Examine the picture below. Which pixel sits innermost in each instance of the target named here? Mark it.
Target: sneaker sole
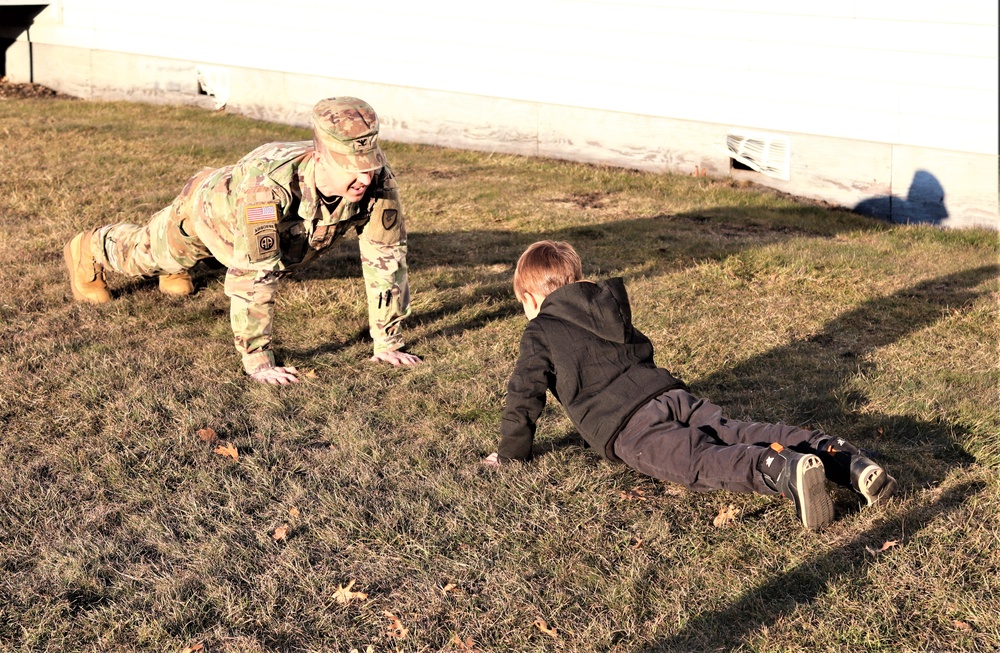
(812, 503)
(875, 485)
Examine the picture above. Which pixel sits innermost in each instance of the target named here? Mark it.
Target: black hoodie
(583, 348)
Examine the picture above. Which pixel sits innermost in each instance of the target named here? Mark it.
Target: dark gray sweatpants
(680, 438)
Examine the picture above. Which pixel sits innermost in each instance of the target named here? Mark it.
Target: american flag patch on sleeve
(258, 213)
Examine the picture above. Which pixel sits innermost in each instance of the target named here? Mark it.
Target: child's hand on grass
(492, 460)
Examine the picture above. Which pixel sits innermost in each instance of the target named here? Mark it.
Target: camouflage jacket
(264, 216)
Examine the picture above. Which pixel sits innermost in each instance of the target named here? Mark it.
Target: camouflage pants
(167, 245)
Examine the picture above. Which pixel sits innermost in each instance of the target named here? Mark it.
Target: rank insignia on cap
(364, 143)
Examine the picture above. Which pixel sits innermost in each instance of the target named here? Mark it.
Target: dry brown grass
(121, 530)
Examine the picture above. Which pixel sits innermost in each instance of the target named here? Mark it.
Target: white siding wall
(874, 95)
(889, 71)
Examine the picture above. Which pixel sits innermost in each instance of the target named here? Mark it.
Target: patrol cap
(348, 129)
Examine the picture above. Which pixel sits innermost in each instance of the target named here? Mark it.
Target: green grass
(121, 530)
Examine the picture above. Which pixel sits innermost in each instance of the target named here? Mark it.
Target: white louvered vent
(214, 81)
(768, 154)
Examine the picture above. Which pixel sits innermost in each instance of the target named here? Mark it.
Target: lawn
(356, 515)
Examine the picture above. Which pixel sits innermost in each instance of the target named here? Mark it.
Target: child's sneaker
(803, 480)
(848, 465)
(871, 481)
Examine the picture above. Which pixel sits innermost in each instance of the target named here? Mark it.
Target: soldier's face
(331, 179)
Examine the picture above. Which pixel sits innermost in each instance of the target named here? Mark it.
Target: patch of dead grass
(121, 529)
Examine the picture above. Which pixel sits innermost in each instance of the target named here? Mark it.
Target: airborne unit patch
(261, 223)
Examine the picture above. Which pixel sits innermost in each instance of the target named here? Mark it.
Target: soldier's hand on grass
(276, 375)
(492, 460)
(396, 358)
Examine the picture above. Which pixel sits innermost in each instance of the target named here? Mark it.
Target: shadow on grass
(679, 239)
(807, 376)
(607, 248)
(727, 628)
(803, 381)
(676, 241)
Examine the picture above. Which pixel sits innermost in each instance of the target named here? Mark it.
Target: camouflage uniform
(262, 217)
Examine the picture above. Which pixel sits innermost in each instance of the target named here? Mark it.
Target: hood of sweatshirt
(601, 308)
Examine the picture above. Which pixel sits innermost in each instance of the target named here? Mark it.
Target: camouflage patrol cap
(348, 130)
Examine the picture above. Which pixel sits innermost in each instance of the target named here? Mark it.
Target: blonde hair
(545, 266)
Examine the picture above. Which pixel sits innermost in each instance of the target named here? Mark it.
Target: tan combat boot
(86, 275)
(179, 284)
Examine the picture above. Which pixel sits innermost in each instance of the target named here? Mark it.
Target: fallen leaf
(468, 645)
(310, 374)
(208, 435)
(887, 545)
(193, 648)
(396, 630)
(293, 512)
(636, 495)
(344, 595)
(280, 533)
(227, 449)
(544, 627)
(961, 625)
(726, 516)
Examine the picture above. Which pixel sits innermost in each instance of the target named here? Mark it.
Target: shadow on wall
(924, 203)
(4, 44)
(14, 21)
